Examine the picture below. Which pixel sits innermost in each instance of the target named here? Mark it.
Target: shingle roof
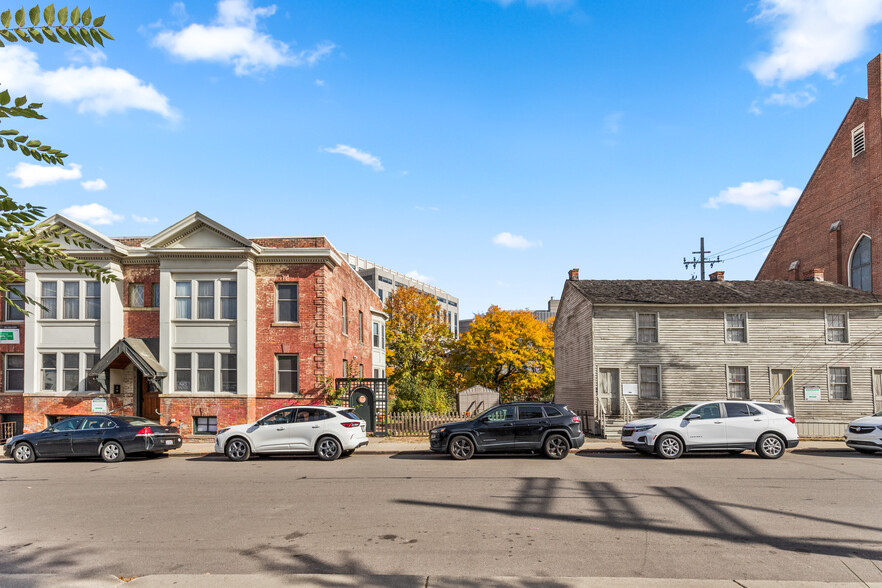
(727, 292)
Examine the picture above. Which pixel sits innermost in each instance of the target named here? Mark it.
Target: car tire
(328, 449)
(669, 447)
(24, 453)
(112, 452)
(461, 448)
(770, 446)
(237, 449)
(555, 447)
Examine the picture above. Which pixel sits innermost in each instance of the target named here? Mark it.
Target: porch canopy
(132, 350)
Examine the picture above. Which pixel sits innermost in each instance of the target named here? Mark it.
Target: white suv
(727, 425)
(865, 434)
(327, 431)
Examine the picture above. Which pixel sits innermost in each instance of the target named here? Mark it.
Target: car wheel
(112, 452)
(24, 453)
(461, 448)
(328, 449)
(770, 446)
(238, 449)
(556, 447)
(669, 447)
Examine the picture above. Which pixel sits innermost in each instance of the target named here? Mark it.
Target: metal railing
(628, 412)
(821, 429)
(8, 430)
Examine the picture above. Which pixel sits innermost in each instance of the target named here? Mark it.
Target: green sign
(99, 405)
(812, 392)
(9, 336)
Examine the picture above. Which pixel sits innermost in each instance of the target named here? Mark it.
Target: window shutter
(858, 141)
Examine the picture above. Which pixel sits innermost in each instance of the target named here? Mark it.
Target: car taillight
(792, 419)
(144, 432)
(577, 419)
(351, 424)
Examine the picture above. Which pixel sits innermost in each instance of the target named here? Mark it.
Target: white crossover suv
(865, 434)
(327, 431)
(727, 425)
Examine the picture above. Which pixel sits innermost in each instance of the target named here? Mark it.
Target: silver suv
(726, 425)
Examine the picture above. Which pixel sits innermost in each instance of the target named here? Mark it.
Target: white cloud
(360, 156)
(761, 195)
(92, 214)
(94, 185)
(754, 108)
(93, 88)
(145, 219)
(321, 83)
(233, 38)
(30, 175)
(612, 122)
(813, 36)
(514, 241)
(418, 276)
(798, 99)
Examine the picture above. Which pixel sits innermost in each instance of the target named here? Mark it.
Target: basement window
(858, 140)
(205, 425)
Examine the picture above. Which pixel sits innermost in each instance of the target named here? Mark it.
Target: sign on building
(99, 405)
(812, 392)
(9, 336)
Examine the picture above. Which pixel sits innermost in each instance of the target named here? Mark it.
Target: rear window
(348, 414)
(551, 411)
(136, 420)
(529, 412)
(776, 408)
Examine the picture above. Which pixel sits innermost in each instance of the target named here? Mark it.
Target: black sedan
(110, 437)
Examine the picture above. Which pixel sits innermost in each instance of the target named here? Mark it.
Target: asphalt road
(803, 517)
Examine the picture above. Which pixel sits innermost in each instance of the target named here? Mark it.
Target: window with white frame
(93, 300)
(286, 373)
(49, 300)
(13, 369)
(136, 295)
(183, 372)
(737, 382)
(345, 317)
(376, 334)
(228, 372)
(74, 367)
(286, 303)
(70, 371)
(205, 299)
(16, 295)
(228, 299)
(649, 381)
(49, 371)
(71, 299)
(91, 384)
(837, 327)
(205, 425)
(736, 327)
(858, 140)
(74, 303)
(647, 327)
(205, 371)
(215, 299)
(183, 299)
(345, 369)
(840, 383)
(155, 300)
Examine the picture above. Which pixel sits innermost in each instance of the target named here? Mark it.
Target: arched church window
(862, 266)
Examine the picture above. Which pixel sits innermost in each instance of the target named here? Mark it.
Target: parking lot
(802, 517)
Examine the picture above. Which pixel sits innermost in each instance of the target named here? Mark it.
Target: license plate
(362, 428)
(169, 442)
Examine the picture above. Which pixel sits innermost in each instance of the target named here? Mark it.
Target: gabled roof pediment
(96, 241)
(197, 231)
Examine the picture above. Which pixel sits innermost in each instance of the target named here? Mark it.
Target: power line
(766, 240)
(729, 250)
(743, 254)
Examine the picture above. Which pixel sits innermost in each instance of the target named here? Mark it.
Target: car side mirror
(485, 420)
(50, 429)
(693, 417)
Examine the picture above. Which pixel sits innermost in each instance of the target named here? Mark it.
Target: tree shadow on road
(27, 558)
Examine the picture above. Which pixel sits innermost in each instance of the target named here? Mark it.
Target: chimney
(793, 271)
(717, 276)
(574, 273)
(815, 275)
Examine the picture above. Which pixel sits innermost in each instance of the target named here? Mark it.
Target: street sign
(9, 336)
(812, 393)
(99, 405)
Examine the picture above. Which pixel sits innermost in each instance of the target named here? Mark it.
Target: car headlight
(879, 427)
(439, 430)
(641, 428)
(224, 430)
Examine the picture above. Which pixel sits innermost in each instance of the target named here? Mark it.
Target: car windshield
(675, 412)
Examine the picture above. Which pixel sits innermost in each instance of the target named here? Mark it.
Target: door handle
(280, 429)
(315, 426)
(718, 422)
(757, 419)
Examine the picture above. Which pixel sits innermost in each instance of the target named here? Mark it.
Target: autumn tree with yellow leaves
(509, 351)
(417, 347)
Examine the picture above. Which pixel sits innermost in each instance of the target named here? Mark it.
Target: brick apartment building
(203, 328)
(837, 222)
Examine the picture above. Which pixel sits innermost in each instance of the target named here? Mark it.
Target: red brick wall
(141, 322)
(292, 242)
(844, 189)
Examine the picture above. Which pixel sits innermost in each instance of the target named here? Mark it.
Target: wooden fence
(821, 429)
(418, 424)
(8, 430)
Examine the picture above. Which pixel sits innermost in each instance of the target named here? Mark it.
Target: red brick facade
(842, 189)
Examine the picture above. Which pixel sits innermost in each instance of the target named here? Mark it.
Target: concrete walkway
(395, 445)
(414, 581)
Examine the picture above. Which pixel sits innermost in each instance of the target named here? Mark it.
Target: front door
(273, 432)
(785, 393)
(361, 401)
(149, 399)
(88, 437)
(609, 391)
(496, 428)
(57, 442)
(877, 390)
(709, 431)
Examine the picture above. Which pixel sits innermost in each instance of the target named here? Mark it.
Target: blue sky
(488, 146)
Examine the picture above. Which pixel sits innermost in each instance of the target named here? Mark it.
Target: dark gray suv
(508, 428)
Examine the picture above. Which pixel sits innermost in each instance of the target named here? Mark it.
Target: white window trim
(6, 307)
(847, 329)
(59, 300)
(746, 381)
(830, 385)
(194, 299)
(59, 369)
(276, 303)
(6, 370)
(746, 328)
(854, 132)
(194, 371)
(639, 380)
(637, 329)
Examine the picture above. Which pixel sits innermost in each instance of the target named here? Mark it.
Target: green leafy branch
(82, 28)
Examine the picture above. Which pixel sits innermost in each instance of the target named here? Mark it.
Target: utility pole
(702, 260)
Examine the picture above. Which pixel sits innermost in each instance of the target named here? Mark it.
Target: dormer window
(858, 140)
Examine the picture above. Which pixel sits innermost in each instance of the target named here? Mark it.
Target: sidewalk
(395, 445)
